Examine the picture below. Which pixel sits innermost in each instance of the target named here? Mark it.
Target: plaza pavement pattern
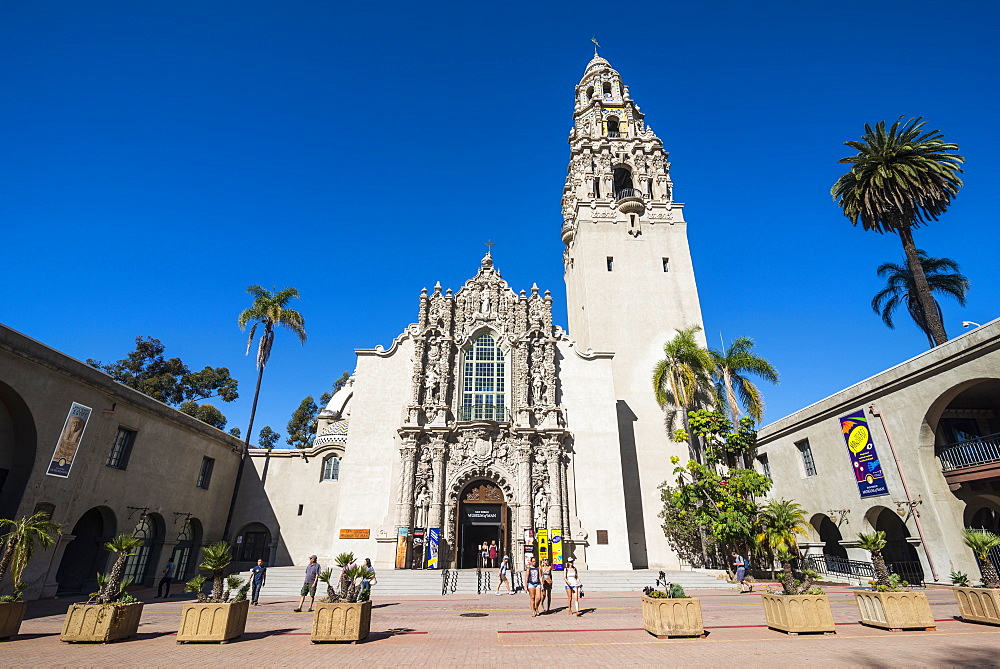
(427, 631)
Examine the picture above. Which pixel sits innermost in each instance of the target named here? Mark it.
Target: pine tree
(302, 425)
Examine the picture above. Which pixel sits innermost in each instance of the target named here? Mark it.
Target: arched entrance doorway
(253, 543)
(186, 551)
(18, 442)
(830, 535)
(85, 555)
(482, 518)
(138, 566)
(899, 554)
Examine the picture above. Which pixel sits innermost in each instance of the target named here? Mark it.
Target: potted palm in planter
(670, 613)
(18, 546)
(799, 608)
(890, 604)
(217, 618)
(111, 613)
(340, 616)
(981, 605)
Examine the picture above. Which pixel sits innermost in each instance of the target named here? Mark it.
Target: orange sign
(355, 534)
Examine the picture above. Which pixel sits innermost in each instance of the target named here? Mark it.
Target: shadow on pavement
(379, 636)
(251, 636)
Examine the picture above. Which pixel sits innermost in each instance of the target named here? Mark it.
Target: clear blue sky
(159, 157)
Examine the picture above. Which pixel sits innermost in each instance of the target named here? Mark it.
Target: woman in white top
(573, 585)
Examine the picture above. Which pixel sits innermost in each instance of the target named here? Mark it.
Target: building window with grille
(331, 469)
(137, 564)
(484, 381)
(205, 475)
(807, 457)
(121, 449)
(765, 466)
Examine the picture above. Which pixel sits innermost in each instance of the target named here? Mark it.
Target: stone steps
(286, 581)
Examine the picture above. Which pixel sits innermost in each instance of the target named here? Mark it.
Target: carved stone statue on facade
(536, 387)
(541, 508)
(485, 300)
(432, 383)
(422, 507)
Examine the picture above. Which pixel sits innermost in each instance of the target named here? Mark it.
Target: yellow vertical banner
(557, 550)
(543, 544)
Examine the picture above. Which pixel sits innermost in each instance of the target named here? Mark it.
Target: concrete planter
(799, 614)
(895, 611)
(342, 621)
(11, 615)
(101, 623)
(213, 622)
(980, 605)
(664, 618)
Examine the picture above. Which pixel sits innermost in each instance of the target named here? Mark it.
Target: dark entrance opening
(482, 518)
(85, 555)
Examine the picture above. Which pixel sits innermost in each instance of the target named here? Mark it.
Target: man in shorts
(309, 586)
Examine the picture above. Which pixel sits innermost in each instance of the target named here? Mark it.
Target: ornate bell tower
(629, 279)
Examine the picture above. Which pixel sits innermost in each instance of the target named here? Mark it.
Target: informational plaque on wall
(355, 534)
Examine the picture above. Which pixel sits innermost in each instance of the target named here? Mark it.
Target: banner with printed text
(542, 538)
(69, 441)
(433, 539)
(402, 546)
(557, 549)
(864, 458)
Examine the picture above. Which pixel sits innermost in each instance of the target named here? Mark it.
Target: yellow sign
(542, 535)
(355, 534)
(858, 439)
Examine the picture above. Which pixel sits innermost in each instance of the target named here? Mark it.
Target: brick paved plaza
(430, 632)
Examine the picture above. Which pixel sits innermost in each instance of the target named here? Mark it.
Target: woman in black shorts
(533, 583)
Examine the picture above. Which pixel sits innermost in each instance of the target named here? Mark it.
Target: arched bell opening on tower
(614, 128)
(623, 180)
(590, 92)
(607, 89)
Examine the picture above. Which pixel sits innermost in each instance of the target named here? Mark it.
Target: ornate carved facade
(484, 406)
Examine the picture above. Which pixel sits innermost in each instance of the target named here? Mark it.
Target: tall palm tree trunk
(243, 456)
(990, 578)
(927, 302)
(881, 570)
(8, 557)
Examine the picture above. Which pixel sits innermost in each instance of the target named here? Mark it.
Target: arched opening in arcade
(85, 556)
(899, 553)
(185, 552)
(140, 566)
(983, 513)
(18, 442)
(482, 519)
(829, 535)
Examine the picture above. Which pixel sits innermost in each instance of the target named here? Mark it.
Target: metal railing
(623, 193)
(614, 134)
(970, 453)
(833, 565)
(449, 581)
(491, 412)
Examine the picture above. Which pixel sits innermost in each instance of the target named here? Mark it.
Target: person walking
(504, 577)
(367, 583)
(533, 584)
(493, 554)
(546, 585)
(573, 585)
(166, 579)
(258, 574)
(309, 585)
(740, 567)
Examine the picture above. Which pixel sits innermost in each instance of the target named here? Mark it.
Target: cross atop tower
(489, 246)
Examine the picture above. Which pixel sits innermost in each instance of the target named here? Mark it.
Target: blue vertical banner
(864, 458)
(433, 540)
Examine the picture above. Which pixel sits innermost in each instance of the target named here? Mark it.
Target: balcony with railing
(629, 201)
(490, 412)
(972, 453)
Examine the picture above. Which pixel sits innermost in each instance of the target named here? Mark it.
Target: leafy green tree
(302, 425)
(779, 521)
(874, 543)
(235, 431)
(170, 381)
(19, 543)
(734, 389)
(206, 413)
(269, 311)
(900, 179)
(683, 378)
(267, 437)
(943, 277)
(325, 398)
(982, 542)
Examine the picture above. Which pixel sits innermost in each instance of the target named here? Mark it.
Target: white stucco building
(486, 421)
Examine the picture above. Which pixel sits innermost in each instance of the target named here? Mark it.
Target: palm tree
(215, 558)
(20, 541)
(779, 522)
(943, 276)
(124, 546)
(269, 311)
(982, 542)
(900, 179)
(874, 543)
(683, 376)
(731, 383)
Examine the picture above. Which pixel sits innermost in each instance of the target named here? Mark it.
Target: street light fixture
(966, 324)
